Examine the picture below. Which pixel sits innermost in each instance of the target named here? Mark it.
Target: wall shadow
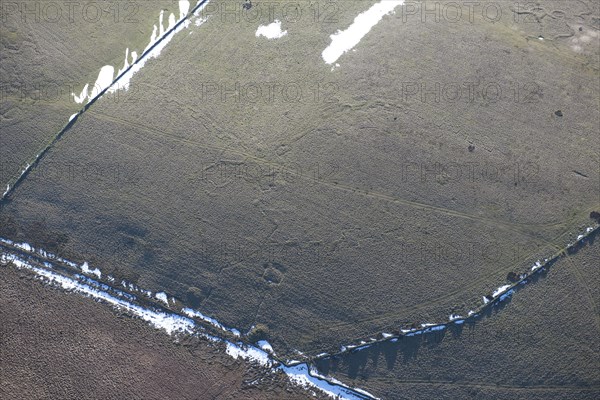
(403, 350)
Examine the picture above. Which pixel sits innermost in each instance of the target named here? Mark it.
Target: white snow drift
(343, 41)
(271, 31)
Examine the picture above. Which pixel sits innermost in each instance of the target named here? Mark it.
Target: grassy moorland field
(52, 49)
(54, 345)
(366, 204)
(543, 344)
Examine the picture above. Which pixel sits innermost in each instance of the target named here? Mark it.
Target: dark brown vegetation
(64, 346)
(258, 332)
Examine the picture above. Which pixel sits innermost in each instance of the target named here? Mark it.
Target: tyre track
(516, 227)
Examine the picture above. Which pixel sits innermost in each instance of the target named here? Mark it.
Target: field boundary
(178, 307)
(490, 301)
(15, 181)
(61, 273)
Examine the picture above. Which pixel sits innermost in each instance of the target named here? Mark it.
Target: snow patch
(250, 353)
(162, 296)
(266, 346)
(343, 41)
(271, 31)
(506, 295)
(107, 72)
(184, 8)
(301, 375)
(84, 94)
(500, 290)
(23, 246)
(86, 270)
(197, 314)
(168, 322)
(105, 78)
(435, 328)
(454, 317)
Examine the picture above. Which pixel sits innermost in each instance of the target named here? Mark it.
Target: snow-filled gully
(152, 308)
(169, 314)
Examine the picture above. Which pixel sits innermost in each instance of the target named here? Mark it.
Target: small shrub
(512, 276)
(258, 332)
(194, 296)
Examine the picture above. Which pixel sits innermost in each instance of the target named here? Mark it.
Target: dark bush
(194, 296)
(258, 332)
(512, 276)
(8, 226)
